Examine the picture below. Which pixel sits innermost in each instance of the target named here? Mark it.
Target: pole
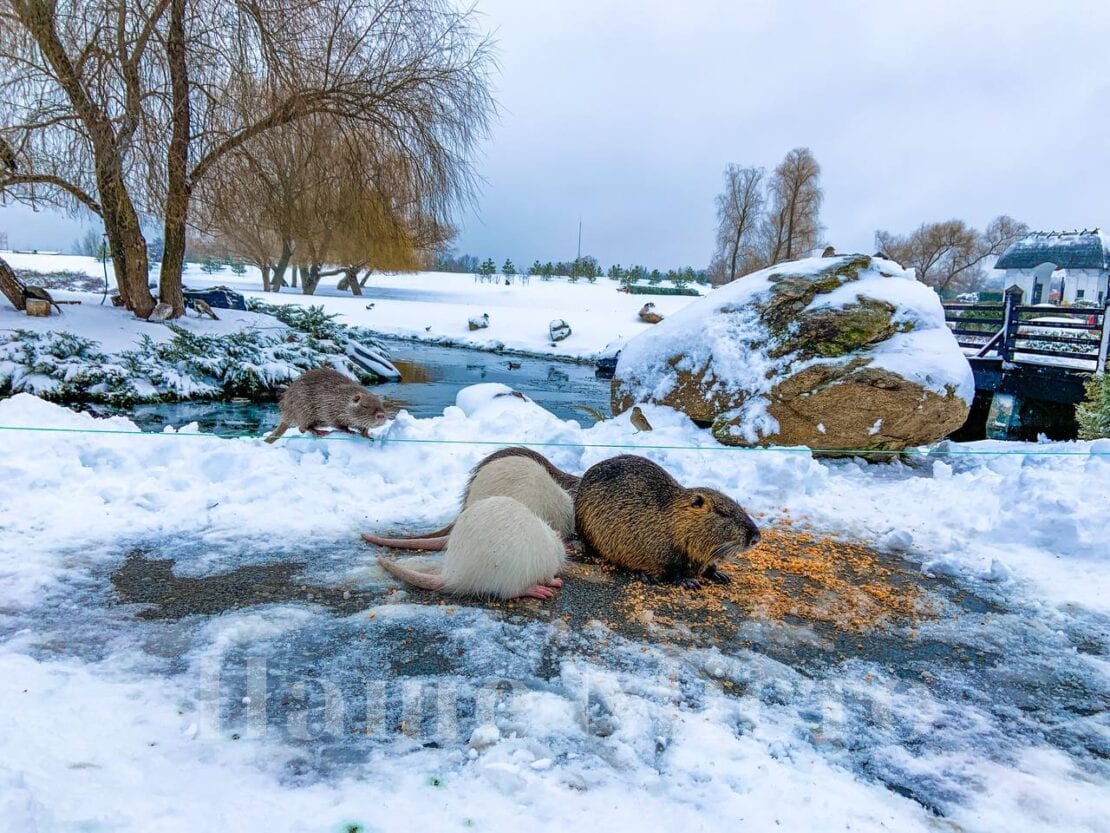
(104, 264)
(579, 239)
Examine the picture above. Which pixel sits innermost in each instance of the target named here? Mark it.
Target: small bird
(829, 252)
(40, 294)
(514, 365)
(7, 156)
(638, 420)
(202, 308)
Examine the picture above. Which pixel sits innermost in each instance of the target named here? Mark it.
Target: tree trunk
(121, 221)
(352, 280)
(265, 278)
(735, 254)
(10, 286)
(283, 263)
(310, 278)
(177, 160)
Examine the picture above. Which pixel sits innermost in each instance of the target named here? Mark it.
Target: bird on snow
(638, 420)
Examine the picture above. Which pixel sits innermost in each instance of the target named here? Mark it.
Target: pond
(431, 377)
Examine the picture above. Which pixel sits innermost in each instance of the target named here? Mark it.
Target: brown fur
(630, 512)
(324, 397)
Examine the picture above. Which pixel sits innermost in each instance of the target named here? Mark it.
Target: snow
(724, 335)
(437, 306)
(117, 329)
(115, 722)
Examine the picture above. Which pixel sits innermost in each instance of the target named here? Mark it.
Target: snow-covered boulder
(848, 352)
(558, 330)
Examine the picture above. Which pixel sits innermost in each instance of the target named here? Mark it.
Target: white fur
(528, 482)
(500, 548)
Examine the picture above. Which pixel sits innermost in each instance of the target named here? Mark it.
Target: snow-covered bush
(61, 366)
(65, 367)
(317, 323)
(1093, 413)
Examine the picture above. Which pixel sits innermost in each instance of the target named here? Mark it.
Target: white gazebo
(1078, 261)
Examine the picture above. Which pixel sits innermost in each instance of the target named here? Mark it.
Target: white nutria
(497, 548)
(520, 478)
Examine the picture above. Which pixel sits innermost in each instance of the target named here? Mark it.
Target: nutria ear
(697, 501)
(356, 398)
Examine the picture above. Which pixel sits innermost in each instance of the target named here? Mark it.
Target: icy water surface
(432, 376)
(312, 647)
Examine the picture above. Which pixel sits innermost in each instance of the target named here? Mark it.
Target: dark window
(1079, 294)
(1037, 293)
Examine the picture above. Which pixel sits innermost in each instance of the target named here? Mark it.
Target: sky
(625, 114)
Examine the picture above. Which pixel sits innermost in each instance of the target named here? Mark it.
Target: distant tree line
(950, 255)
(586, 267)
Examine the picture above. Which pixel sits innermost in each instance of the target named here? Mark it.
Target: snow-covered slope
(436, 306)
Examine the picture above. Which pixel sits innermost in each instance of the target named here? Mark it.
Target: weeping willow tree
(326, 202)
(126, 108)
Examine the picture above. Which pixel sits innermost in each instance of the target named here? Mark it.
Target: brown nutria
(434, 540)
(519, 477)
(630, 512)
(325, 397)
(498, 548)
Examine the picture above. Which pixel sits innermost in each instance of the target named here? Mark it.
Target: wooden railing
(1069, 337)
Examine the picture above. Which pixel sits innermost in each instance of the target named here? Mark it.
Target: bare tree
(739, 212)
(792, 226)
(123, 107)
(951, 255)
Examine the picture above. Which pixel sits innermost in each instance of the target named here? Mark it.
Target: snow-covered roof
(1066, 249)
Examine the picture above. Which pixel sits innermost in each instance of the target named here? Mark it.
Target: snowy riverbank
(436, 306)
(118, 721)
(95, 352)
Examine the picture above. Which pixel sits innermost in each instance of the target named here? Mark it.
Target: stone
(479, 322)
(649, 315)
(839, 354)
(558, 329)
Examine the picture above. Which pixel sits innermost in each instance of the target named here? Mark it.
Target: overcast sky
(625, 113)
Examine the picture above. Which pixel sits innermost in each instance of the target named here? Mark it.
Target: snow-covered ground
(436, 306)
(327, 704)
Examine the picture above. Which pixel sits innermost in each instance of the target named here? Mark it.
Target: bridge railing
(1075, 338)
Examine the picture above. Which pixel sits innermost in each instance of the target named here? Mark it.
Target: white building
(1063, 267)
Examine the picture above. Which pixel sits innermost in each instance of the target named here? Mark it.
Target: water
(431, 377)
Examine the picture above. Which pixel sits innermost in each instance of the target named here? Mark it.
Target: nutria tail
(430, 542)
(283, 426)
(425, 581)
(442, 532)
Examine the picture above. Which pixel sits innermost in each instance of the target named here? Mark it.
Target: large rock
(840, 353)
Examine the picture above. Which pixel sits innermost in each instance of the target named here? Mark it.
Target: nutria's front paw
(688, 583)
(714, 574)
(647, 578)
